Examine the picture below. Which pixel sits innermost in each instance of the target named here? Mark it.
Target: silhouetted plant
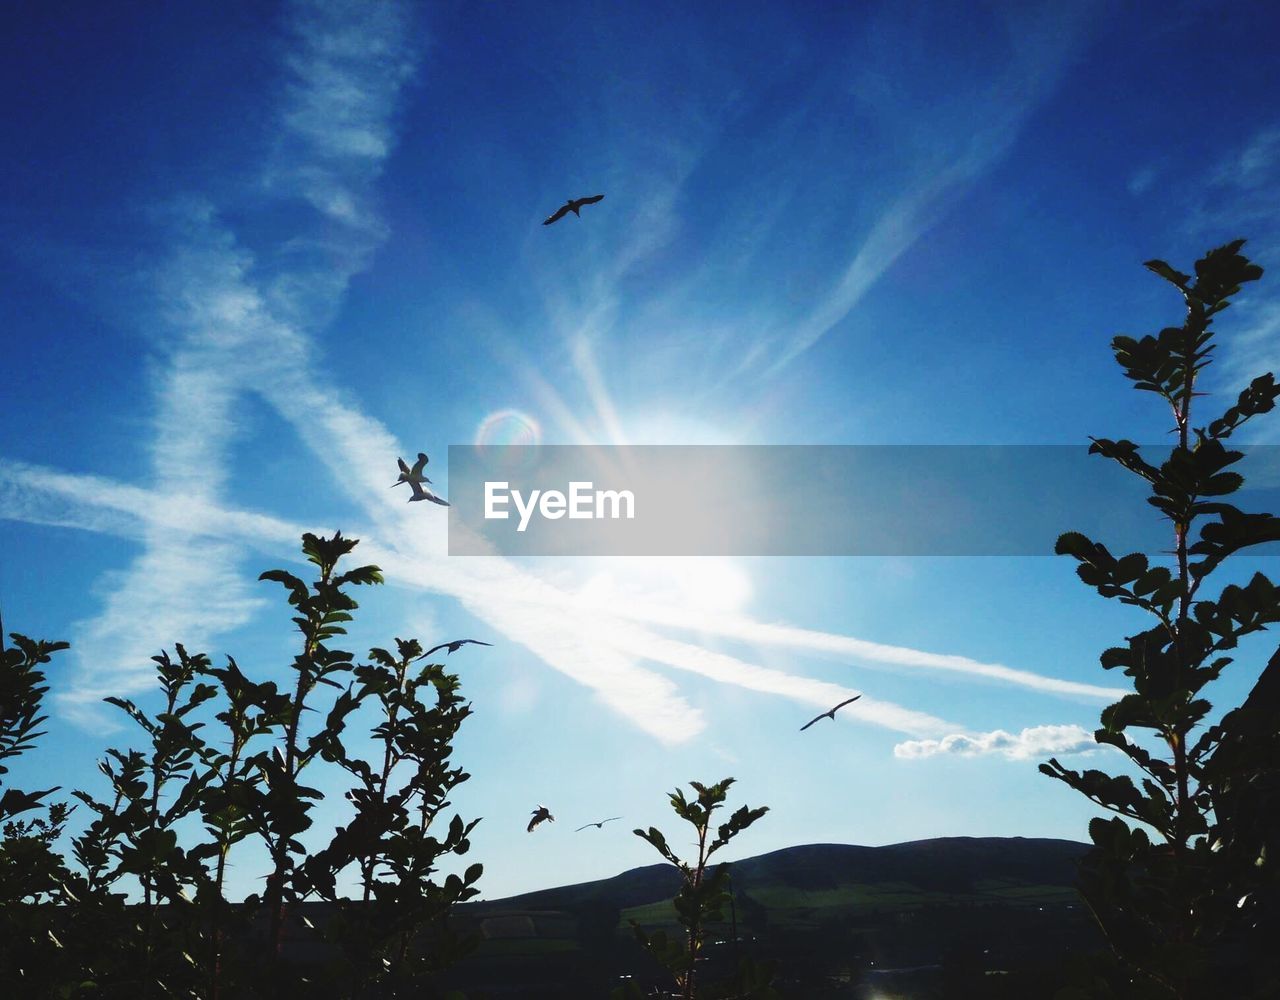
(398, 935)
(1194, 913)
(139, 835)
(389, 839)
(287, 806)
(182, 937)
(232, 800)
(31, 871)
(22, 691)
(703, 893)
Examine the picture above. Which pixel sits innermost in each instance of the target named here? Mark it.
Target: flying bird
(540, 814)
(829, 715)
(572, 205)
(415, 479)
(598, 826)
(454, 646)
(414, 475)
(421, 493)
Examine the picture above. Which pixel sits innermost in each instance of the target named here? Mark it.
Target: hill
(841, 920)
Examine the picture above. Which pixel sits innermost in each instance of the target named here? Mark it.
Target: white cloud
(1038, 741)
(348, 65)
(765, 633)
(596, 649)
(1254, 165)
(218, 332)
(600, 647)
(182, 588)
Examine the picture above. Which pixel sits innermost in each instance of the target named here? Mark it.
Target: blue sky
(252, 253)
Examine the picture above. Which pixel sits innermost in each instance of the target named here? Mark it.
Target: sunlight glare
(699, 583)
(665, 427)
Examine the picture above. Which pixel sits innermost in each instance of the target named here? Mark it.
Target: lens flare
(500, 431)
(506, 427)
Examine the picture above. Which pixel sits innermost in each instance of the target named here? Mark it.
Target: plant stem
(392, 712)
(153, 825)
(695, 924)
(224, 848)
(1176, 736)
(280, 851)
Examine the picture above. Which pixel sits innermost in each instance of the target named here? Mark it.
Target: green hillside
(959, 916)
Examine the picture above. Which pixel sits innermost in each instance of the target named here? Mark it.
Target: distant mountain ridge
(989, 917)
(946, 864)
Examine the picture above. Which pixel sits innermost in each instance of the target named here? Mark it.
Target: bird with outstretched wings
(420, 492)
(598, 826)
(829, 714)
(414, 475)
(415, 478)
(456, 645)
(540, 815)
(572, 205)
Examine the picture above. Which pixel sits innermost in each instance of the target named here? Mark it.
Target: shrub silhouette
(31, 871)
(703, 894)
(69, 930)
(1192, 913)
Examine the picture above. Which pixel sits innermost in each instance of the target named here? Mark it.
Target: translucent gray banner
(811, 500)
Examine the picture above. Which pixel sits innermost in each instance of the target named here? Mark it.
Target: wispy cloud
(585, 319)
(967, 134)
(1237, 199)
(770, 634)
(1140, 180)
(1037, 741)
(39, 495)
(236, 321)
(217, 332)
(1253, 166)
(602, 651)
(179, 585)
(348, 64)
(599, 651)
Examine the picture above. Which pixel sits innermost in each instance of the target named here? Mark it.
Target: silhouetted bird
(598, 826)
(414, 475)
(457, 644)
(539, 815)
(572, 205)
(422, 493)
(829, 715)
